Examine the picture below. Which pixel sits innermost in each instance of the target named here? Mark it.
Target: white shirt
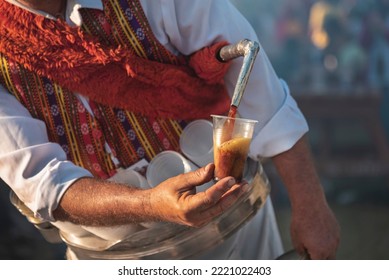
(38, 171)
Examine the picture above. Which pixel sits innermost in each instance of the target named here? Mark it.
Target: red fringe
(114, 76)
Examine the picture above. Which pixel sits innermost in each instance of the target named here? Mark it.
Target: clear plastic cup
(196, 142)
(231, 142)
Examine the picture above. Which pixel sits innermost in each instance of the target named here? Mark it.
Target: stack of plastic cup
(165, 165)
(196, 142)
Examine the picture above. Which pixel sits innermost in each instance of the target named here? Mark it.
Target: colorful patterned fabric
(83, 63)
(82, 135)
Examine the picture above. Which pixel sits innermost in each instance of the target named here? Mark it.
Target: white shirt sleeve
(35, 169)
(185, 26)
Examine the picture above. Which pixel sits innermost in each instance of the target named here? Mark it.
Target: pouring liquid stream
(228, 127)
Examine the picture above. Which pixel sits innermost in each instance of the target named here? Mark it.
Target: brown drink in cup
(231, 138)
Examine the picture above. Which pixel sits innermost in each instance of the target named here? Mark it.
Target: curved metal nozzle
(249, 50)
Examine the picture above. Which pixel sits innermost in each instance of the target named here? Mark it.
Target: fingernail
(231, 182)
(208, 167)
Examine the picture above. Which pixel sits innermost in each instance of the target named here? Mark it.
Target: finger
(212, 195)
(195, 178)
(243, 187)
(298, 246)
(225, 202)
(216, 192)
(229, 198)
(232, 196)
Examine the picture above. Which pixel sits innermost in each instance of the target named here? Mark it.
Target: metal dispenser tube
(249, 50)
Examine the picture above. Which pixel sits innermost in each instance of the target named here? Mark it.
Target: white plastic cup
(165, 165)
(130, 177)
(196, 142)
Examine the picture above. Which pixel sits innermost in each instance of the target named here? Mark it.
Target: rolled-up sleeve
(36, 170)
(281, 132)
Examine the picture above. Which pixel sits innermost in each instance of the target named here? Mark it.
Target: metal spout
(249, 50)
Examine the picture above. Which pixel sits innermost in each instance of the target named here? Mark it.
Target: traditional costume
(110, 94)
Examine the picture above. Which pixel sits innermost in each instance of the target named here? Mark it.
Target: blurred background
(334, 54)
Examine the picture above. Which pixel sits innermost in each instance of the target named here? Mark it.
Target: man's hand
(175, 199)
(94, 202)
(314, 229)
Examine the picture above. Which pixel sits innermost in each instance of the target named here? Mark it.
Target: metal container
(172, 241)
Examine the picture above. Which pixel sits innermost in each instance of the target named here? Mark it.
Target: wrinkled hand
(175, 200)
(315, 230)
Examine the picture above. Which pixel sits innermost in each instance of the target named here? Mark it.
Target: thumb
(198, 176)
